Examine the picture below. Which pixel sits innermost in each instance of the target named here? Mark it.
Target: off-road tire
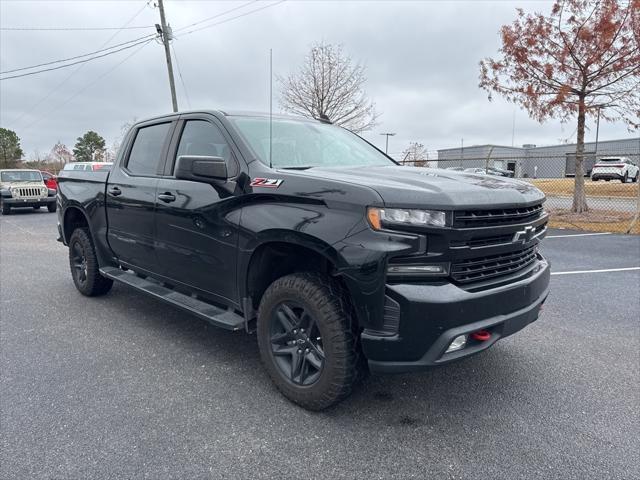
(52, 207)
(625, 179)
(6, 209)
(36, 208)
(635, 179)
(87, 280)
(325, 300)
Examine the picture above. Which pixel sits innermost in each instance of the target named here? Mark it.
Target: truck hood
(436, 188)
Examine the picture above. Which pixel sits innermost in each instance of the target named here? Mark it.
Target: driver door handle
(167, 197)
(115, 191)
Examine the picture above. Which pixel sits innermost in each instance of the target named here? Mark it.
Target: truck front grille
(481, 268)
(25, 192)
(493, 217)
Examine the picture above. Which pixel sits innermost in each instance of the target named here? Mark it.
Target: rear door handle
(167, 197)
(115, 191)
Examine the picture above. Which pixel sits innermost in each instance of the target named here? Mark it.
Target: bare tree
(329, 85)
(60, 153)
(416, 154)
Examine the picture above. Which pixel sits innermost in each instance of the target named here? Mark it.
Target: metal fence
(613, 204)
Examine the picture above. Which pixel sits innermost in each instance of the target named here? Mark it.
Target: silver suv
(24, 188)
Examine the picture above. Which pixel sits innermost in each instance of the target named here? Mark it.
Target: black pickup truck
(340, 260)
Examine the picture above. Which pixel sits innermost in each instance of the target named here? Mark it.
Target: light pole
(597, 132)
(386, 148)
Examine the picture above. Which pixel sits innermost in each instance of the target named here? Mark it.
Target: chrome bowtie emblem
(524, 236)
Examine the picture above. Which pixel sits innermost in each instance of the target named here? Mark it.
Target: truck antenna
(270, 106)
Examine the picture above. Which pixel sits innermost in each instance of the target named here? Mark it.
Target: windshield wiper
(296, 168)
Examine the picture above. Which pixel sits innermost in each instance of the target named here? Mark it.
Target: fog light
(458, 343)
(415, 269)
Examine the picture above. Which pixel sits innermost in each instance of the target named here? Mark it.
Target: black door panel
(196, 243)
(131, 197)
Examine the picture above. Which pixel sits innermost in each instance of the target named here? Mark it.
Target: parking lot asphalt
(123, 386)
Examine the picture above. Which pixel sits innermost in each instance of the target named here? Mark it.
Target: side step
(217, 316)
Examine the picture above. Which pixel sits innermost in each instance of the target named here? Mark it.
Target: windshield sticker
(266, 182)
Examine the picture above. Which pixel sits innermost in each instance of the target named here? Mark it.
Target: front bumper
(431, 316)
(29, 202)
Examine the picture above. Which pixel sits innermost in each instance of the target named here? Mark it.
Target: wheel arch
(72, 218)
(276, 256)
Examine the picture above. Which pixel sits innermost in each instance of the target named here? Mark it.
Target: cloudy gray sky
(421, 57)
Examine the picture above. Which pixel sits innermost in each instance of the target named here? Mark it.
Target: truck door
(131, 196)
(196, 223)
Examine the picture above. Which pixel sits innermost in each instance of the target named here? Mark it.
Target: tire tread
(331, 300)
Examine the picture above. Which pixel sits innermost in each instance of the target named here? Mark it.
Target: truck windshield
(302, 144)
(21, 176)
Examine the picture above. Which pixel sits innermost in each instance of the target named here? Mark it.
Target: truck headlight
(381, 217)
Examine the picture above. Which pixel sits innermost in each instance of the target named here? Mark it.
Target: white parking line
(578, 235)
(597, 271)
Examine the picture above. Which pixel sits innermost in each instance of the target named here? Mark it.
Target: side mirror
(199, 168)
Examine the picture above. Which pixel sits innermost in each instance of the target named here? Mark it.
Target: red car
(50, 180)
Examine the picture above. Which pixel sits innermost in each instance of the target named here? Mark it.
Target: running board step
(217, 316)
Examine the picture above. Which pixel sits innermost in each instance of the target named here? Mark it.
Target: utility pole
(386, 148)
(165, 33)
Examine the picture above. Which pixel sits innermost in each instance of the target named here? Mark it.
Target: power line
(72, 29)
(85, 87)
(215, 16)
(184, 87)
(76, 63)
(77, 56)
(68, 77)
(233, 18)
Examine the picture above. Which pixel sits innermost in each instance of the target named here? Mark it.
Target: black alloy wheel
(79, 263)
(308, 339)
(296, 344)
(83, 262)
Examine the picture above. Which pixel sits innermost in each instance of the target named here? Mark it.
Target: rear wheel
(307, 341)
(635, 179)
(84, 265)
(625, 178)
(36, 208)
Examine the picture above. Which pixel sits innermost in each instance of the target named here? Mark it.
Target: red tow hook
(481, 335)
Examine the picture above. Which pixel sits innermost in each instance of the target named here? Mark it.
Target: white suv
(615, 168)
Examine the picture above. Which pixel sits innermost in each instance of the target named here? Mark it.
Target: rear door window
(145, 157)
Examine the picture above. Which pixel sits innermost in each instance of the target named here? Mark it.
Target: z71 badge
(266, 182)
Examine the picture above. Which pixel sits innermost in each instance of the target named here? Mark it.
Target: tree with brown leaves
(415, 155)
(583, 57)
(329, 86)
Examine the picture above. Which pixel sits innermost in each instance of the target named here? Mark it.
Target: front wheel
(625, 178)
(307, 340)
(51, 207)
(84, 265)
(635, 179)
